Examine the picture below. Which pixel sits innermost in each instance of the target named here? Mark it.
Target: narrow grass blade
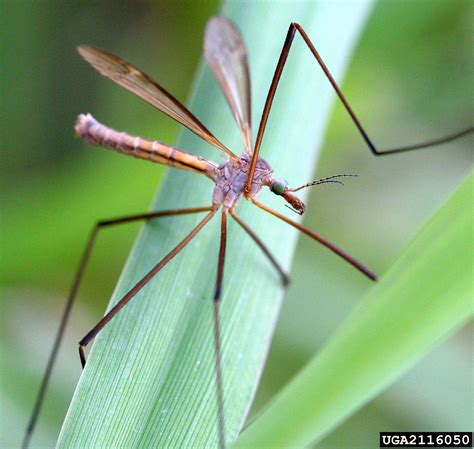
(150, 379)
(423, 299)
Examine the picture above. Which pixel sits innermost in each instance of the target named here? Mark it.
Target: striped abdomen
(95, 133)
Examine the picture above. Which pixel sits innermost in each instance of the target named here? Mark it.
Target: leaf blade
(149, 381)
(424, 298)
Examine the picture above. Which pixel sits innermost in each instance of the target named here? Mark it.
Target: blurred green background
(410, 80)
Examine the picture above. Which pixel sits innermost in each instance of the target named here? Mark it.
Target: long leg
(362, 268)
(217, 331)
(273, 87)
(72, 294)
(284, 277)
(138, 286)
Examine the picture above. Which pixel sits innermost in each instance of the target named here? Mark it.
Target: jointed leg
(284, 277)
(217, 332)
(273, 87)
(362, 268)
(72, 294)
(138, 286)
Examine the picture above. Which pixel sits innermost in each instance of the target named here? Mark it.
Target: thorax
(231, 177)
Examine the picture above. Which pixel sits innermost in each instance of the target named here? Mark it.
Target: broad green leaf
(423, 299)
(150, 378)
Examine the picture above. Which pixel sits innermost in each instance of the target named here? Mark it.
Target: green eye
(279, 186)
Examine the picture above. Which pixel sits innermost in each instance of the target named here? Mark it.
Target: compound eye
(278, 186)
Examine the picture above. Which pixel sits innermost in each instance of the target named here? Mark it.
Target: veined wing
(134, 80)
(225, 52)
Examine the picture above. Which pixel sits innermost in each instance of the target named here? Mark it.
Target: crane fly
(240, 177)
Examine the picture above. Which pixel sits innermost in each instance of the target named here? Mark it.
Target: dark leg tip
(82, 356)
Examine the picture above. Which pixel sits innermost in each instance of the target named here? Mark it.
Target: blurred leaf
(424, 298)
(150, 380)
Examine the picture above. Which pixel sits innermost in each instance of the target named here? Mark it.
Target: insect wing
(225, 52)
(134, 80)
